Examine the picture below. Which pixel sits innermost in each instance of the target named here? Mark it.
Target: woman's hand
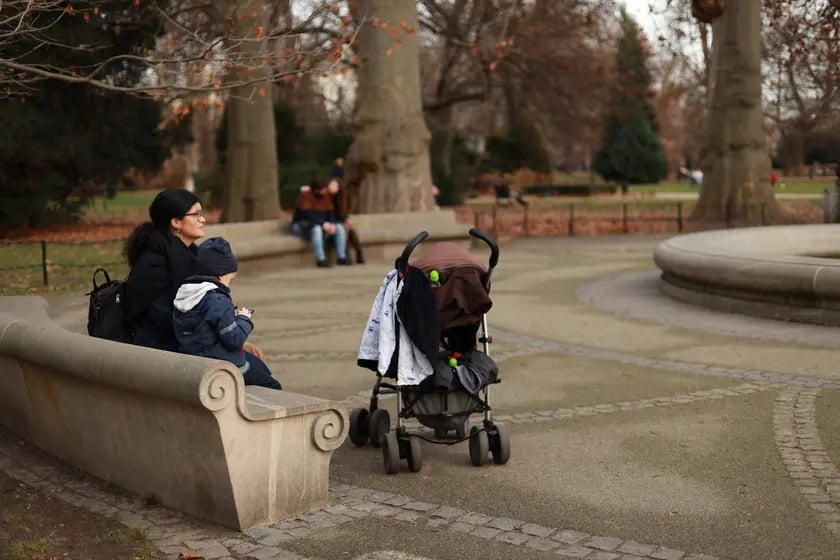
(329, 228)
(254, 349)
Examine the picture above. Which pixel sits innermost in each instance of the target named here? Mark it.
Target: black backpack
(105, 310)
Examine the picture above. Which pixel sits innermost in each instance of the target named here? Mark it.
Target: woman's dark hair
(317, 184)
(168, 204)
(137, 242)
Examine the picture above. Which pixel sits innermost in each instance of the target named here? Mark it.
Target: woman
(161, 255)
(341, 203)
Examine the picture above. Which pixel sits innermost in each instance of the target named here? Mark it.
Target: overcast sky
(640, 9)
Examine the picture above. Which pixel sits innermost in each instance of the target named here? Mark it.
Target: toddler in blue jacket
(206, 321)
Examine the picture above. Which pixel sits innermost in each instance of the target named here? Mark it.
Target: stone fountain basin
(789, 273)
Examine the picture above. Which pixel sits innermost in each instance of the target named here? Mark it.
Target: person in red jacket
(315, 220)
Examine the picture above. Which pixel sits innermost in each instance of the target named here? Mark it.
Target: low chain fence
(42, 265)
(599, 218)
(49, 265)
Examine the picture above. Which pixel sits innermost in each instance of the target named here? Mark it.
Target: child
(207, 323)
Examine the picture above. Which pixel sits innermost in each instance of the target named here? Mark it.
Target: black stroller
(459, 386)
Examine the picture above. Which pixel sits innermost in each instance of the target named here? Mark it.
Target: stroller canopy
(462, 298)
(444, 255)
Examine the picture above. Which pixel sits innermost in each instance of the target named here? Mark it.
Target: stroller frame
(373, 424)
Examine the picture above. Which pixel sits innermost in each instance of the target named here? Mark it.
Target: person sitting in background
(205, 321)
(341, 205)
(338, 168)
(315, 220)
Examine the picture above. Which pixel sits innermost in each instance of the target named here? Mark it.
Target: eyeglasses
(197, 215)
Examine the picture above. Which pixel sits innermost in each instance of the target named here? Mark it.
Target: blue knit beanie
(215, 258)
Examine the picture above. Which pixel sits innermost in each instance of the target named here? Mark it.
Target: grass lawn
(69, 266)
(125, 203)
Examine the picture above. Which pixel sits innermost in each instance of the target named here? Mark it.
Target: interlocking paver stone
(409, 516)
(513, 537)
(420, 506)
(540, 543)
(475, 519)
(536, 530)
(603, 556)
(398, 501)
(387, 511)
(569, 537)
(485, 532)
(459, 527)
(504, 523)
(603, 543)
(639, 549)
(663, 553)
(448, 512)
(265, 553)
(574, 551)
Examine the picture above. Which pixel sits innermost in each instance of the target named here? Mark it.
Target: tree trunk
(389, 156)
(250, 192)
(736, 185)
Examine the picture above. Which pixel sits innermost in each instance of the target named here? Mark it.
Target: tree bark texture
(388, 161)
(736, 185)
(251, 192)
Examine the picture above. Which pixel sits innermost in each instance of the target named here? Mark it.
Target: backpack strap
(107, 278)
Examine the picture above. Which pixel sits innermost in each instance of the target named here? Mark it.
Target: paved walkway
(640, 427)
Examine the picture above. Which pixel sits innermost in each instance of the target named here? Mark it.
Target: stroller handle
(494, 249)
(402, 261)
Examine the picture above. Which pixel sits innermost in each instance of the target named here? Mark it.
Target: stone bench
(182, 429)
(782, 272)
(383, 236)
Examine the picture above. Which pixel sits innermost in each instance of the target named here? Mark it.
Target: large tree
(250, 190)
(388, 160)
(736, 162)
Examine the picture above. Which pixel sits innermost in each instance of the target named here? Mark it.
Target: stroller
(459, 386)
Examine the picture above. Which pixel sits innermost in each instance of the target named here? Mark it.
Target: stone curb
(173, 532)
(805, 458)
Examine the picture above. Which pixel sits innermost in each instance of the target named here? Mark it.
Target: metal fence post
(571, 219)
(679, 217)
(495, 226)
(44, 261)
(525, 221)
(624, 224)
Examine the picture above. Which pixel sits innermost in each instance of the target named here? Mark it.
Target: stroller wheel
(415, 455)
(378, 425)
(391, 452)
(479, 446)
(359, 426)
(500, 444)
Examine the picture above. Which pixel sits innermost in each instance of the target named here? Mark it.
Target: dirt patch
(37, 526)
